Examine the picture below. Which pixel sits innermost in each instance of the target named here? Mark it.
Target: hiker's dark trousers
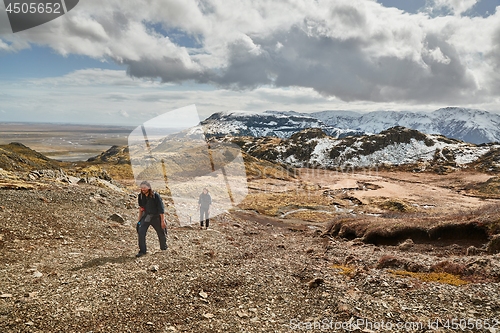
(204, 213)
(143, 229)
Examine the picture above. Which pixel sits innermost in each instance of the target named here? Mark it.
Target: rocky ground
(67, 267)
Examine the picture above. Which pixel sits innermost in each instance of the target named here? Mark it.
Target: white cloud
(105, 99)
(438, 56)
(353, 50)
(94, 77)
(124, 114)
(4, 46)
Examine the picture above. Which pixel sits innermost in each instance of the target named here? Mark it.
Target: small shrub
(449, 267)
(390, 262)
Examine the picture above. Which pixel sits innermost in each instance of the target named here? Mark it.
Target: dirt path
(443, 193)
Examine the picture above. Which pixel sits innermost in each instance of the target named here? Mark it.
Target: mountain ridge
(470, 125)
(242, 123)
(311, 147)
(395, 146)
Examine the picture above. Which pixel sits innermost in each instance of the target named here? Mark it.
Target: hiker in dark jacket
(204, 203)
(151, 213)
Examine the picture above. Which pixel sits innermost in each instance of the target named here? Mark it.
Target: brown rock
(472, 251)
(494, 245)
(314, 283)
(117, 218)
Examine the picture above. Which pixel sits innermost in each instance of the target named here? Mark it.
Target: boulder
(117, 218)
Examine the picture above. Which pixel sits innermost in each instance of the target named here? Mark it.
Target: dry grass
(272, 203)
(344, 269)
(259, 169)
(446, 278)
(311, 215)
(396, 205)
(487, 189)
(119, 171)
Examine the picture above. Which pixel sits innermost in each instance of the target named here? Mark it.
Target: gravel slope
(66, 268)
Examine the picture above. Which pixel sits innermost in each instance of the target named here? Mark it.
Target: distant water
(65, 142)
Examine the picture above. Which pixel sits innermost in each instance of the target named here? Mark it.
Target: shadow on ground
(103, 261)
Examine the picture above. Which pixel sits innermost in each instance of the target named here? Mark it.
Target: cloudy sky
(124, 62)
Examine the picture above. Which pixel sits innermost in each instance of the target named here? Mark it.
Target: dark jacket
(152, 205)
(205, 200)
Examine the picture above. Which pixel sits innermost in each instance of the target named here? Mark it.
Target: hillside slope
(67, 267)
(395, 146)
(17, 157)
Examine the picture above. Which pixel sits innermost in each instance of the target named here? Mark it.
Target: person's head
(146, 189)
(205, 190)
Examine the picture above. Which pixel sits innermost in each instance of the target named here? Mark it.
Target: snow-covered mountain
(276, 124)
(395, 146)
(470, 125)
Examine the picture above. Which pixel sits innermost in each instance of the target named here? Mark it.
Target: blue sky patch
(483, 8)
(410, 6)
(39, 62)
(177, 36)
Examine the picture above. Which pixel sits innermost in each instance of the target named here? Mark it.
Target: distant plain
(65, 142)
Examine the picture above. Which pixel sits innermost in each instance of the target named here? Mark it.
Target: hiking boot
(140, 254)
